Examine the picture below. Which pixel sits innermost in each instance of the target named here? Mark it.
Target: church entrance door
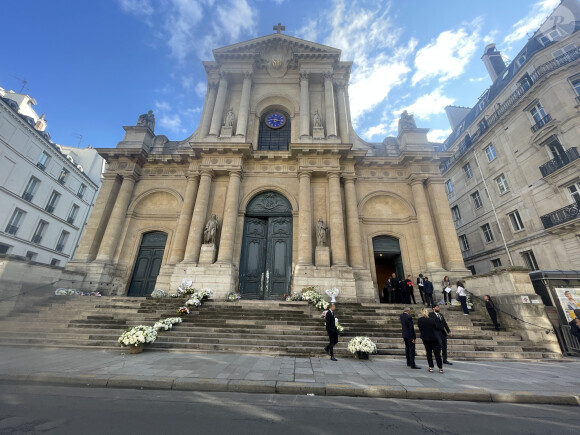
(388, 259)
(147, 264)
(266, 258)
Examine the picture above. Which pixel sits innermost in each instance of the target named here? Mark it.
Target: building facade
(273, 192)
(513, 182)
(47, 191)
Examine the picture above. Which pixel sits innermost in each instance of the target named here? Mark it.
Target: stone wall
(508, 287)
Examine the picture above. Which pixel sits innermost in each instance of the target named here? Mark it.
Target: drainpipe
(493, 208)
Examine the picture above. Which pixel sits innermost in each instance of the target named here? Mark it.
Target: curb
(296, 388)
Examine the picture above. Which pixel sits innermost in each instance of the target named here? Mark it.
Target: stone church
(273, 192)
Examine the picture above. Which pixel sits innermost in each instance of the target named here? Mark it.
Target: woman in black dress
(427, 327)
(490, 306)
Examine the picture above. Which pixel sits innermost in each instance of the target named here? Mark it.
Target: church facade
(273, 192)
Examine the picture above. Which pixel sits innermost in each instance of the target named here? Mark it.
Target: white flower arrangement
(339, 327)
(361, 344)
(66, 292)
(295, 296)
(233, 297)
(193, 302)
(166, 324)
(314, 298)
(158, 293)
(174, 295)
(183, 310)
(205, 293)
(186, 287)
(137, 336)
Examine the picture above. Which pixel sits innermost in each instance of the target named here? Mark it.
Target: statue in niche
(229, 119)
(407, 122)
(147, 120)
(210, 230)
(317, 119)
(321, 230)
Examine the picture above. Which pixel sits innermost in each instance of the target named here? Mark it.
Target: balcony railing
(11, 229)
(37, 238)
(70, 220)
(60, 247)
(41, 166)
(562, 215)
(559, 162)
(502, 109)
(49, 208)
(541, 123)
(27, 196)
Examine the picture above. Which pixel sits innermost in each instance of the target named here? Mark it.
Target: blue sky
(94, 66)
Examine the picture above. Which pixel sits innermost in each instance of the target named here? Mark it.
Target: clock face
(275, 120)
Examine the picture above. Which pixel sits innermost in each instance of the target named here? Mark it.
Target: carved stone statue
(210, 230)
(229, 119)
(317, 119)
(321, 230)
(147, 120)
(407, 122)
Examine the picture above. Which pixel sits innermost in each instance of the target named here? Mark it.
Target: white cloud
(477, 79)
(162, 106)
(171, 123)
(200, 89)
(437, 135)
(447, 56)
(429, 104)
(136, 7)
(531, 22)
(376, 130)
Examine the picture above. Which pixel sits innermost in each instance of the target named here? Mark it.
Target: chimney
(493, 61)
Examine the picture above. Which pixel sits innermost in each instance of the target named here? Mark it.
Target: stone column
(429, 244)
(244, 110)
(184, 221)
(304, 106)
(329, 105)
(343, 113)
(452, 257)
(198, 219)
(337, 243)
(208, 109)
(218, 110)
(352, 223)
(97, 223)
(227, 239)
(305, 220)
(116, 220)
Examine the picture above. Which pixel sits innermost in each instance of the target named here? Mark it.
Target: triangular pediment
(300, 48)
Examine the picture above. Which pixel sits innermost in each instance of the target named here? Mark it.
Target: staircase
(269, 327)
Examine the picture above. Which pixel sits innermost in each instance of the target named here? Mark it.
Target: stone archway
(388, 259)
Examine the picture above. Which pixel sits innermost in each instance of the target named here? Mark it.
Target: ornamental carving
(276, 60)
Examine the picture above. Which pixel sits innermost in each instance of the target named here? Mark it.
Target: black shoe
(448, 363)
(333, 358)
(415, 367)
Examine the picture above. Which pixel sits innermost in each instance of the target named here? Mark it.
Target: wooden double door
(148, 263)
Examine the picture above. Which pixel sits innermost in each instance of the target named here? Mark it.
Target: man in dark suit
(393, 288)
(442, 331)
(332, 332)
(409, 337)
(420, 286)
(428, 292)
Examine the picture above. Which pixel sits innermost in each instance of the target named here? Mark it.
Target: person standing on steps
(332, 332)
(393, 288)
(428, 328)
(428, 291)
(410, 290)
(442, 331)
(420, 286)
(446, 285)
(462, 296)
(409, 337)
(490, 307)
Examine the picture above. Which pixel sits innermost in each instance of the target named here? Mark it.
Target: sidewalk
(549, 382)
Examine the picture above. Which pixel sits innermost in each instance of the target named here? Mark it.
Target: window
(82, 190)
(464, 243)
(467, 170)
(55, 262)
(502, 184)
(455, 213)
(30, 189)
(43, 160)
(274, 136)
(39, 232)
(487, 233)
(73, 214)
(449, 187)
(31, 256)
(516, 220)
(530, 260)
(563, 51)
(15, 221)
(4, 248)
(576, 85)
(476, 199)
(52, 200)
(482, 124)
(574, 191)
(62, 176)
(539, 116)
(496, 262)
(62, 241)
(490, 152)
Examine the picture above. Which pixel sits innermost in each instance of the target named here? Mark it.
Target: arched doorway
(387, 253)
(147, 264)
(266, 258)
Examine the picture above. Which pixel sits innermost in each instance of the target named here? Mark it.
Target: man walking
(428, 291)
(420, 286)
(442, 331)
(332, 332)
(409, 337)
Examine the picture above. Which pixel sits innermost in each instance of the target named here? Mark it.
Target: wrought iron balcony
(70, 220)
(27, 196)
(37, 238)
(41, 166)
(541, 123)
(49, 208)
(562, 215)
(59, 247)
(11, 229)
(559, 162)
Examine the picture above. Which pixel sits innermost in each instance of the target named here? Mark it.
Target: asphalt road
(64, 410)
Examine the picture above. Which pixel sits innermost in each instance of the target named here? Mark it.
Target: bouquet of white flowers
(205, 293)
(158, 293)
(166, 324)
(339, 327)
(137, 336)
(315, 298)
(65, 292)
(193, 302)
(295, 296)
(186, 287)
(233, 297)
(361, 344)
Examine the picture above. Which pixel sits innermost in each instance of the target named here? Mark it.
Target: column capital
(434, 180)
(236, 173)
(213, 85)
(224, 75)
(416, 180)
(341, 84)
(207, 173)
(349, 178)
(302, 174)
(333, 174)
(248, 75)
(328, 75)
(304, 75)
(189, 174)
